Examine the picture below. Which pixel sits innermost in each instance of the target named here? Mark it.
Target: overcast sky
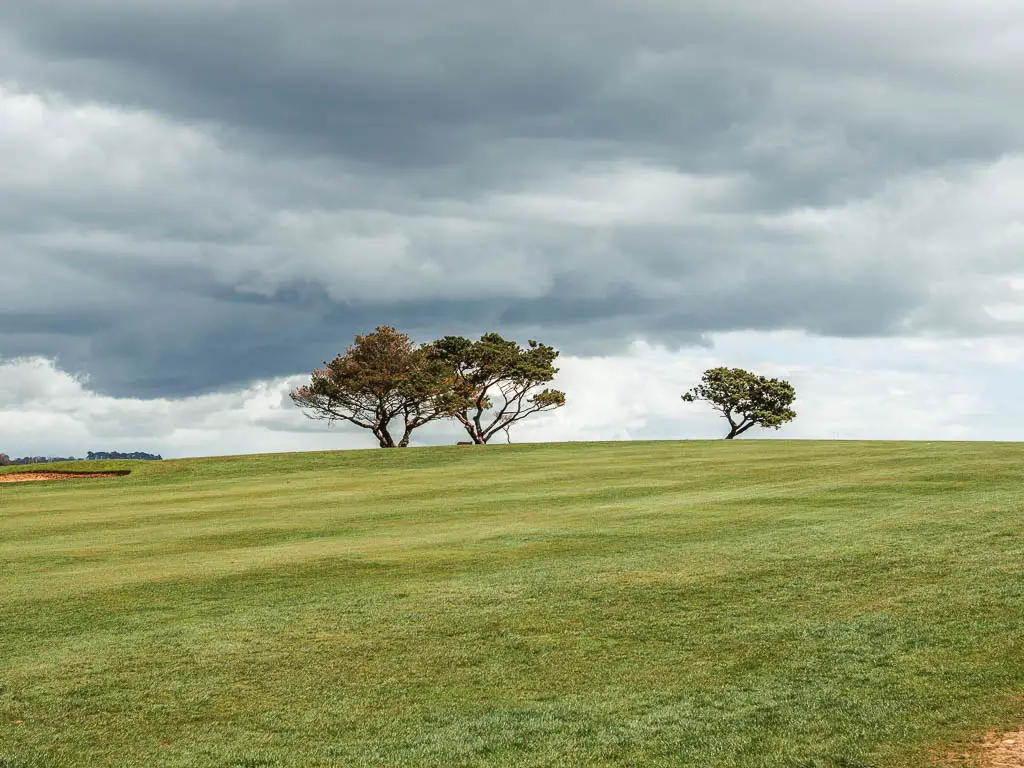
(200, 200)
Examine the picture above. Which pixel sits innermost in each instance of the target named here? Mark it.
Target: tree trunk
(384, 437)
(478, 431)
(734, 428)
(477, 436)
(406, 436)
(739, 429)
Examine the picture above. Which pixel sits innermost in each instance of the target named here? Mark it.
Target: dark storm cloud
(381, 83)
(199, 194)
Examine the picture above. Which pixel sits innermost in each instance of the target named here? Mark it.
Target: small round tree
(745, 399)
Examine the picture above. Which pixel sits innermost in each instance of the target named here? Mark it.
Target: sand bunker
(30, 477)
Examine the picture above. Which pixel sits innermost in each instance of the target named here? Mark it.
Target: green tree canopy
(382, 376)
(745, 399)
(497, 382)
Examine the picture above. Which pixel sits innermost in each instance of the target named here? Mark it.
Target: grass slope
(688, 604)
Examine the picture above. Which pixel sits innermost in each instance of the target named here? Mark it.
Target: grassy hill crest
(758, 603)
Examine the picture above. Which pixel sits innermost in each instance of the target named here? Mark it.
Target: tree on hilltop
(381, 377)
(497, 383)
(745, 399)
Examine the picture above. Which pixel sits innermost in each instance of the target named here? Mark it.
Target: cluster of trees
(6, 461)
(488, 386)
(135, 456)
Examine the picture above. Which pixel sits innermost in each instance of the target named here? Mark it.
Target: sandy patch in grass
(996, 751)
(29, 477)
(1006, 751)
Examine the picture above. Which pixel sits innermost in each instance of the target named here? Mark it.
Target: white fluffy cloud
(849, 389)
(45, 411)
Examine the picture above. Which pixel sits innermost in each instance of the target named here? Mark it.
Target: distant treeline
(138, 455)
(6, 461)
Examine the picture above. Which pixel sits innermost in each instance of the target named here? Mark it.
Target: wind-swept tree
(381, 377)
(745, 399)
(497, 383)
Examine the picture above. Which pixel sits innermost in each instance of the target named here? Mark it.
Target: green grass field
(759, 603)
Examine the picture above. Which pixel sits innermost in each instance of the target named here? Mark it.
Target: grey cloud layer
(198, 194)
